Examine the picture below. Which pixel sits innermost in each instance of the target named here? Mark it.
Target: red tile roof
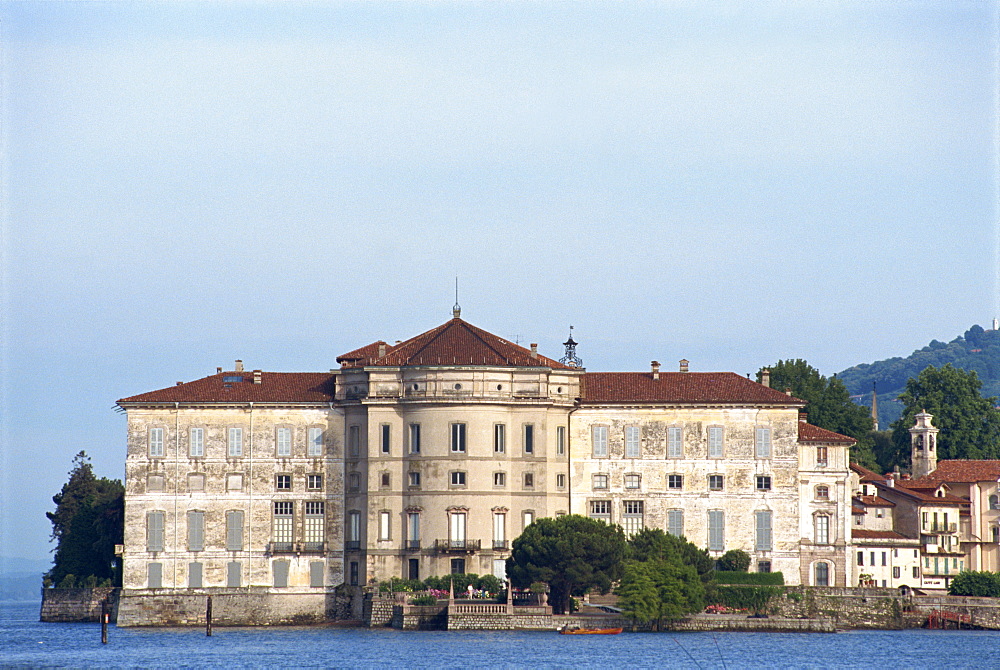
(455, 342)
(873, 501)
(862, 534)
(811, 433)
(679, 387)
(275, 387)
(925, 495)
(867, 475)
(963, 471)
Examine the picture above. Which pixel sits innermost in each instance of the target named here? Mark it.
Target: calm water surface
(27, 643)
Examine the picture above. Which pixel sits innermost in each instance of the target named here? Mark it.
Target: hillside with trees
(976, 350)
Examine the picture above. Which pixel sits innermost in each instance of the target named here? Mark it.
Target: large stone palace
(428, 456)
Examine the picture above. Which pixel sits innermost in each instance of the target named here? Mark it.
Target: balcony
(456, 546)
(940, 528)
(313, 547)
(501, 545)
(296, 547)
(352, 545)
(412, 545)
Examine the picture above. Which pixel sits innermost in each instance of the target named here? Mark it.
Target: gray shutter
(154, 531)
(764, 530)
(154, 575)
(234, 530)
(196, 530)
(716, 530)
(194, 575)
(675, 522)
(280, 569)
(234, 574)
(316, 573)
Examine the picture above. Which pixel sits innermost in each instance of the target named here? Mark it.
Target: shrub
(489, 583)
(68, 582)
(980, 584)
(750, 578)
(734, 560)
(423, 600)
(753, 598)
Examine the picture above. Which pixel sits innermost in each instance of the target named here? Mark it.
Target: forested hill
(977, 350)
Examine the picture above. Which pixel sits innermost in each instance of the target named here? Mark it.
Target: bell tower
(923, 446)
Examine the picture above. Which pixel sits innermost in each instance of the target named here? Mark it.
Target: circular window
(458, 387)
(559, 389)
(499, 387)
(416, 387)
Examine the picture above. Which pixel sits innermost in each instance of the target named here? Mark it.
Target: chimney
(684, 364)
(788, 391)
(218, 370)
(765, 376)
(534, 350)
(256, 376)
(803, 417)
(381, 349)
(179, 383)
(239, 365)
(655, 365)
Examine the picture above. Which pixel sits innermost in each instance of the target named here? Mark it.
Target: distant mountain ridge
(977, 349)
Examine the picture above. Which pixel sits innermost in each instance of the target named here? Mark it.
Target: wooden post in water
(208, 618)
(104, 621)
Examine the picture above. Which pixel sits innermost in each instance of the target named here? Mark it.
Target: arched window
(994, 501)
(822, 574)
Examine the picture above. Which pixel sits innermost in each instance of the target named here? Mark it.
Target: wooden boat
(590, 631)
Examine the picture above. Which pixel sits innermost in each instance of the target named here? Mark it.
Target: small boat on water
(590, 631)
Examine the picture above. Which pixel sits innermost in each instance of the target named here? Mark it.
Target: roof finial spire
(571, 358)
(456, 311)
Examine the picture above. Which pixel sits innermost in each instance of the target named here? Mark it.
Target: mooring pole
(104, 621)
(208, 617)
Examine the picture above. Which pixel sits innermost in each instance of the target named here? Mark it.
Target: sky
(186, 184)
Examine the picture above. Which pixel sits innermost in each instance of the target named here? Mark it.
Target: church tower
(923, 446)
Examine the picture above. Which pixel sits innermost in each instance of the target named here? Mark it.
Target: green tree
(87, 524)
(652, 544)
(734, 560)
(660, 590)
(828, 404)
(571, 554)
(977, 584)
(969, 423)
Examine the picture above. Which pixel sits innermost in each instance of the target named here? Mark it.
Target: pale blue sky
(185, 184)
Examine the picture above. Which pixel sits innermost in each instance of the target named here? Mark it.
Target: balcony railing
(296, 547)
(457, 546)
(412, 545)
(941, 528)
(313, 547)
(500, 545)
(352, 545)
(281, 547)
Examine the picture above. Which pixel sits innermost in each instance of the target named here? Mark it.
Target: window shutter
(154, 575)
(234, 574)
(763, 530)
(195, 580)
(316, 573)
(715, 442)
(196, 530)
(763, 443)
(234, 530)
(280, 570)
(674, 446)
(716, 530)
(154, 531)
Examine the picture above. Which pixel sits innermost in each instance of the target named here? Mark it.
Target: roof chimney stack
(788, 391)
(655, 365)
(803, 417)
(239, 365)
(765, 376)
(534, 350)
(218, 370)
(381, 349)
(684, 364)
(256, 376)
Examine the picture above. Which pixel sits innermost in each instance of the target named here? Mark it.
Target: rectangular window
(284, 442)
(235, 442)
(155, 483)
(763, 530)
(916, 571)
(675, 522)
(715, 482)
(315, 525)
(154, 531)
(196, 482)
(154, 575)
(457, 478)
(279, 573)
(499, 438)
(499, 530)
(355, 576)
(560, 481)
(353, 481)
(384, 526)
(599, 438)
(234, 574)
(196, 530)
(283, 525)
(234, 530)
(314, 482)
(675, 445)
(822, 457)
(156, 442)
(675, 481)
(895, 572)
(632, 442)
(529, 518)
(715, 441)
(716, 530)
(456, 530)
(458, 438)
(883, 559)
(413, 479)
(197, 445)
(560, 440)
(385, 480)
(499, 479)
(823, 531)
(317, 570)
(529, 480)
(413, 530)
(600, 482)
(283, 482)
(354, 528)
(315, 441)
(632, 481)
(458, 566)
(861, 558)
(354, 440)
(600, 510)
(763, 443)
(763, 566)
(414, 438)
(385, 438)
(195, 579)
(529, 438)
(632, 521)
(763, 483)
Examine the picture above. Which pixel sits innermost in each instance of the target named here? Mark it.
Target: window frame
(599, 441)
(314, 481)
(285, 479)
(155, 442)
(673, 515)
(499, 479)
(675, 442)
(633, 481)
(763, 447)
(716, 438)
(763, 482)
(764, 530)
(560, 440)
(600, 481)
(234, 442)
(413, 479)
(459, 434)
(633, 442)
(675, 482)
(385, 439)
(283, 448)
(454, 476)
(499, 438)
(413, 435)
(716, 483)
(716, 530)
(196, 447)
(316, 438)
(528, 439)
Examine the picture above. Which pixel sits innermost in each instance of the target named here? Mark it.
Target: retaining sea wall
(230, 607)
(77, 605)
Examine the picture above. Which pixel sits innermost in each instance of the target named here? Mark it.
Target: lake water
(27, 643)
